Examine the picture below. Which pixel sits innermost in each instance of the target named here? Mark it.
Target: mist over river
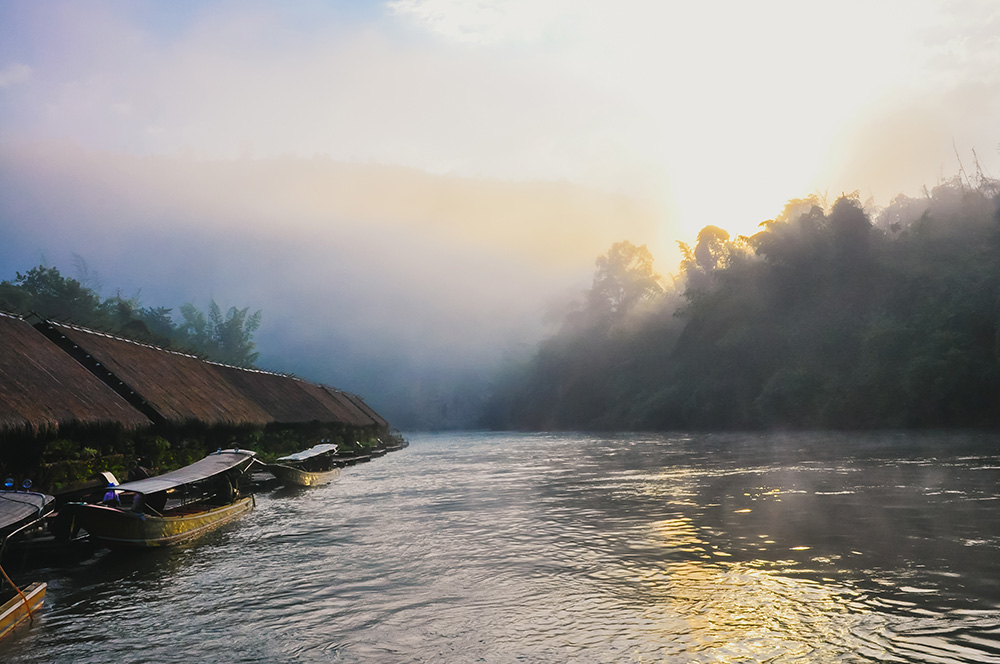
(814, 547)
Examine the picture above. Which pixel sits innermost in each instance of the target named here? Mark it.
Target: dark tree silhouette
(46, 292)
(821, 319)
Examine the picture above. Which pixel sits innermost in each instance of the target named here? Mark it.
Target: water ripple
(500, 548)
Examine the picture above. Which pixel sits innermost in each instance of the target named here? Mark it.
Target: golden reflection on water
(740, 574)
(738, 610)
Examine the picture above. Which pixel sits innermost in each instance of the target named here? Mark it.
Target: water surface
(573, 548)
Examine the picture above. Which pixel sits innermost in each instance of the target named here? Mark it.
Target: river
(820, 547)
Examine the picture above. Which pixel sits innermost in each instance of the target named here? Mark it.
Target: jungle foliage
(843, 317)
(44, 291)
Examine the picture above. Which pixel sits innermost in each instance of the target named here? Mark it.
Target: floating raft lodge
(62, 381)
(44, 391)
(75, 402)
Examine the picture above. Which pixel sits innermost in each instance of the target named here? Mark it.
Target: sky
(438, 173)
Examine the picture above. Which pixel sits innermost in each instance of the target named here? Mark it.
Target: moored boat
(395, 441)
(351, 458)
(51, 540)
(317, 465)
(21, 607)
(20, 511)
(169, 508)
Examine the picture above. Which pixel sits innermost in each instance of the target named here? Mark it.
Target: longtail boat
(21, 607)
(317, 465)
(53, 539)
(352, 454)
(20, 511)
(169, 508)
(396, 441)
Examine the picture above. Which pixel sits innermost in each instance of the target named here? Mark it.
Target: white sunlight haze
(716, 111)
(415, 184)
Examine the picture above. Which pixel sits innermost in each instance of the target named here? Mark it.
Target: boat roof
(20, 507)
(214, 464)
(315, 450)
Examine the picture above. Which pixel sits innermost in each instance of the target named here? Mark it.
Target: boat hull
(351, 459)
(16, 610)
(299, 477)
(117, 528)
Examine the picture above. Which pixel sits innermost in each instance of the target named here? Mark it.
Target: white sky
(474, 157)
(713, 112)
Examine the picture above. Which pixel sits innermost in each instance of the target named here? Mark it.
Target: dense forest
(838, 317)
(44, 291)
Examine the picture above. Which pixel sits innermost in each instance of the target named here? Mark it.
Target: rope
(27, 604)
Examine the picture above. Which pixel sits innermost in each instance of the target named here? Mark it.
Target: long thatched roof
(329, 396)
(177, 388)
(343, 398)
(366, 409)
(290, 400)
(98, 378)
(42, 388)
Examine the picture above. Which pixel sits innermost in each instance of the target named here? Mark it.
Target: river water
(573, 548)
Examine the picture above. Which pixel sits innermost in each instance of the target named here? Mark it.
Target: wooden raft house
(58, 379)
(45, 394)
(289, 401)
(172, 389)
(70, 395)
(42, 390)
(177, 389)
(360, 406)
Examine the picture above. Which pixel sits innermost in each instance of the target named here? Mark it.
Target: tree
(833, 322)
(193, 330)
(850, 226)
(714, 251)
(227, 339)
(624, 278)
(233, 335)
(46, 292)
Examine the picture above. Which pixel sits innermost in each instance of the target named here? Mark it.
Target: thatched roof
(327, 395)
(366, 409)
(290, 400)
(343, 399)
(42, 388)
(178, 388)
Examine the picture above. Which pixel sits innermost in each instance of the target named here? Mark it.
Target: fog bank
(385, 281)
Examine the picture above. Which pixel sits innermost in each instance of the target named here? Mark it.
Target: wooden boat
(21, 607)
(352, 457)
(317, 465)
(20, 511)
(51, 540)
(395, 442)
(169, 508)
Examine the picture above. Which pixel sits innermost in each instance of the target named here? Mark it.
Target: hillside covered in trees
(47, 293)
(826, 318)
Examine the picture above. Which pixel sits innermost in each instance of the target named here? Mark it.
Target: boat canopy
(18, 508)
(314, 451)
(214, 464)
